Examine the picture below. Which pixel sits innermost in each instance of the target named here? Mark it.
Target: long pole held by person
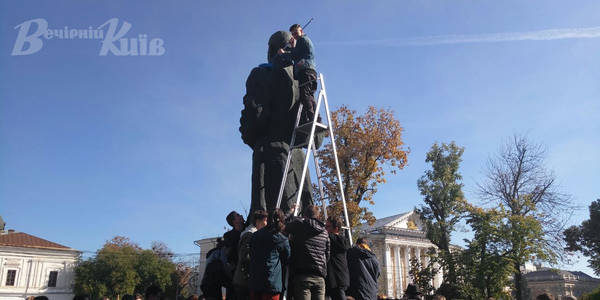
(307, 23)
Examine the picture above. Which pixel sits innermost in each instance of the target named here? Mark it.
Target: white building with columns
(32, 266)
(395, 240)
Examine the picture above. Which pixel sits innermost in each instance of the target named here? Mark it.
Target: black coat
(310, 246)
(215, 273)
(231, 239)
(337, 267)
(364, 271)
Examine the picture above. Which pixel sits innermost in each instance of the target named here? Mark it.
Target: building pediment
(408, 221)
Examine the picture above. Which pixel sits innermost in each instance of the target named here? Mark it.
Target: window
(11, 275)
(52, 278)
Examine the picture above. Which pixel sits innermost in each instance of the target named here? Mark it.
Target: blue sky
(148, 146)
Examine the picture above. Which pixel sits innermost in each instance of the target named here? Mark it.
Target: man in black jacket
(231, 240)
(310, 253)
(364, 271)
(337, 268)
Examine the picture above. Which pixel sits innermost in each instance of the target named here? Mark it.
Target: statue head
(278, 40)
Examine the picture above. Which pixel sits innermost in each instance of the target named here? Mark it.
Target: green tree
(586, 237)
(153, 269)
(368, 145)
(593, 295)
(116, 265)
(517, 181)
(423, 273)
(87, 281)
(444, 203)
(484, 267)
(121, 267)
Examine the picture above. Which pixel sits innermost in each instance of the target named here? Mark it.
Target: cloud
(540, 35)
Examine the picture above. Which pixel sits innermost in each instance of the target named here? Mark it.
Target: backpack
(216, 271)
(254, 119)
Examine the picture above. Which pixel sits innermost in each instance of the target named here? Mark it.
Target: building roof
(582, 275)
(554, 274)
(383, 222)
(21, 239)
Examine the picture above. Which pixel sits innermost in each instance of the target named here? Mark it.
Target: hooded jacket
(310, 246)
(215, 272)
(269, 254)
(364, 271)
(337, 267)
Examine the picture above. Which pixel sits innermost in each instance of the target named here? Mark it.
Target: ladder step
(305, 128)
(301, 145)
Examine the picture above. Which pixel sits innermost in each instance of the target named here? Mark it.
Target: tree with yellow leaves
(368, 146)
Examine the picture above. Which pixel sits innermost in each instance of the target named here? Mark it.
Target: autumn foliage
(369, 146)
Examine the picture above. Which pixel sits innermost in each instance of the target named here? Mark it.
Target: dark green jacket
(269, 254)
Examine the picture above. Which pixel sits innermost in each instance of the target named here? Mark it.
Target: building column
(388, 269)
(439, 277)
(424, 256)
(406, 266)
(426, 262)
(398, 272)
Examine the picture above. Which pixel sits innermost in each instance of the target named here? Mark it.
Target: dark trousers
(337, 293)
(242, 292)
(212, 292)
(307, 80)
(230, 293)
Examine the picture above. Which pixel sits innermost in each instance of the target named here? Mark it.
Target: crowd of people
(301, 257)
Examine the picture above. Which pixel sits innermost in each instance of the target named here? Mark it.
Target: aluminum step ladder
(310, 129)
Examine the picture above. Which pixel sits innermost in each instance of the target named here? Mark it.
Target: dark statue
(267, 123)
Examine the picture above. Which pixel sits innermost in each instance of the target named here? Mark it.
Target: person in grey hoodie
(242, 269)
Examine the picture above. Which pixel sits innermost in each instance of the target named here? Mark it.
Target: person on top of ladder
(302, 53)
